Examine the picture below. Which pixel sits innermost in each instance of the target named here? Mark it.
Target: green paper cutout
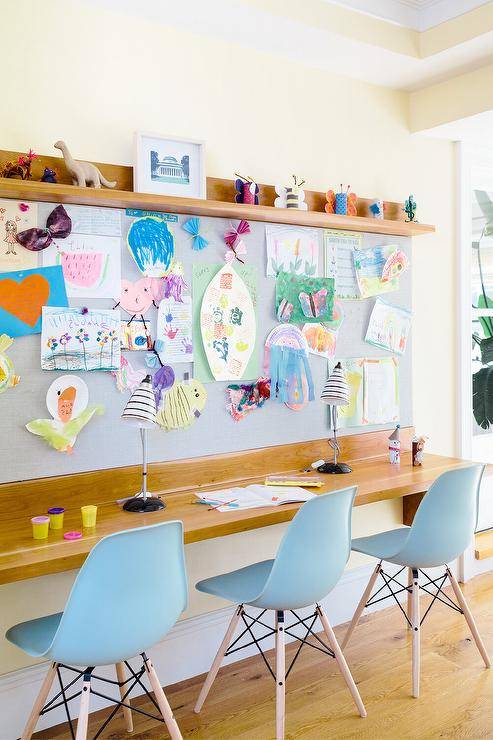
(289, 287)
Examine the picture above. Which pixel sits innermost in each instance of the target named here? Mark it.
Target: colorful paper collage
(217, 315)
(135, 335)
(23, 294)
(91, 264)
(301, 299)
(339, 263)
(16, 216)
(369, 265)
(389, 327)
(67, 401)
(174, 330)
(291, 249)
(73, 340)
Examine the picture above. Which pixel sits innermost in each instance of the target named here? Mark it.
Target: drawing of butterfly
(314, 305)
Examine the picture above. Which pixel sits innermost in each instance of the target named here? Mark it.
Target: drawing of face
(137, 297)
(11, 227)
(66, 400)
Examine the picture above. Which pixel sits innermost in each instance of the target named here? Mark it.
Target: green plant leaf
(482, 397)
(486, 321)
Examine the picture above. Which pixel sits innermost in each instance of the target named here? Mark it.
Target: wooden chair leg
(341, 662)
(162, 701)
(410, 596)
(469, 618)
(127, 713)
(218, 659)
(83, 720)
(280, 676)
(416, 627)
(39, 703)
(361, 605)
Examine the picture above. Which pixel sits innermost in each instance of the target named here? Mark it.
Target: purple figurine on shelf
(49, 175)
(246, 190)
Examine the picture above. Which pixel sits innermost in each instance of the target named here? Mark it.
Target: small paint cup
(56, 517)
(40, 527)
(89, 516)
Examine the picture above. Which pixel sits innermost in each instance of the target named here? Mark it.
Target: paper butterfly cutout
(233, 239)
(193, 227)
(396, 264)
(314, 305)
(246, 191)
(284, 311)
(58, 226)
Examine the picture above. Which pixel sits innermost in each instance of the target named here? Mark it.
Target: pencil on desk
(224, 503)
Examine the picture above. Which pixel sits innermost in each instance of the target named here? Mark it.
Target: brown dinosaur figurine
(83, 174)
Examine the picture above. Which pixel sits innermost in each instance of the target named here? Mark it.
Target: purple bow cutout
(58, 226)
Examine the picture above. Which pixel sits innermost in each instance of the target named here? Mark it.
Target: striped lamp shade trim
(336, 389)
(142, 403)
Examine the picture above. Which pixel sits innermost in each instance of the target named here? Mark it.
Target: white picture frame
(176, 166)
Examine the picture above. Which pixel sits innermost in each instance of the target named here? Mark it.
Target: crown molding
(419, 15)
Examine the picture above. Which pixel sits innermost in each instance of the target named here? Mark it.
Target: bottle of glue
(395, 446)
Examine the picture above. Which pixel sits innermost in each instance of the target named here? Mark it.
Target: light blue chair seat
(35, 636)
(128, 594)
(242, 586)
(309, 563)
(384, 546)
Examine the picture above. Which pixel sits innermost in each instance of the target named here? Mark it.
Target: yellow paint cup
(56, 517)
(40, 527)
(89, 516)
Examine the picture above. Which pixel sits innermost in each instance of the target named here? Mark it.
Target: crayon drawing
(291, 249)
(72, 340)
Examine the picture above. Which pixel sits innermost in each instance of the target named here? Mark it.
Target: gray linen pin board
(107, 442)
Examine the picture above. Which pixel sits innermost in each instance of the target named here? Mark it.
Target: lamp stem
(334, 427)
(143, 436)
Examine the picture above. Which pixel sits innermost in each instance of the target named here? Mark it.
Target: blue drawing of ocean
(152, 245)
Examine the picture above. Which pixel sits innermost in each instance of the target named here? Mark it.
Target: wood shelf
(70, 194)
(483, 548)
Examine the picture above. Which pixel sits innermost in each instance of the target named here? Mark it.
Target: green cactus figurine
(410, 208)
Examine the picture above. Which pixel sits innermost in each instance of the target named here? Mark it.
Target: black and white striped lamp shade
(336, 388)
(141, 407)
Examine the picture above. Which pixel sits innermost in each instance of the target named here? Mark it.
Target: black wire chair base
(438, 594)
(62, 699)
(308, 624)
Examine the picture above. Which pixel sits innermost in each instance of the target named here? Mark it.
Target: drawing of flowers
(52, 344)
(102, 338)
(112, 337)
(64, 340)
(82, 336)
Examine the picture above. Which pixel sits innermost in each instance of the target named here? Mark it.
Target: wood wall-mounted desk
(22, 557)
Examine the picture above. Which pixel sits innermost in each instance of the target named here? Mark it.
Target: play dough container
(40, 527)
(56, 517)
(89, 516)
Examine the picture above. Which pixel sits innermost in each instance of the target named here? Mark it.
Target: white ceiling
(417, 14)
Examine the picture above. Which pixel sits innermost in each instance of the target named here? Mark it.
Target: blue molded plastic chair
(128, 594)
(309, 563)
(442, 529)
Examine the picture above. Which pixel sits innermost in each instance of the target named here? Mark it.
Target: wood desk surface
(23, 557)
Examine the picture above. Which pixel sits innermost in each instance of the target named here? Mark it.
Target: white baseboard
(187, 651)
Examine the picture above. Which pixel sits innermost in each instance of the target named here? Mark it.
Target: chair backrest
(445, 520)
(312, 554)
(128, 594)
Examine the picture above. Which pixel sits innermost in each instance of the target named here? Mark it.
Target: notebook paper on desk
(254, 497)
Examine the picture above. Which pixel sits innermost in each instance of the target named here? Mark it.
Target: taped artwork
(67, 401)
(151, 244)
(181, 405)
(320, 339)
(381, 391)
(243, 399)
(228, 325)
(389, 327)
(72, 339)
(22, 296)
(286, 363)
(291, 249)
(305, 300)
(369, 266)
(135, 335)
(174, 330)
(16, 216)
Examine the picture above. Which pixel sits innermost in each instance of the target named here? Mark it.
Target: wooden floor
(456, 690)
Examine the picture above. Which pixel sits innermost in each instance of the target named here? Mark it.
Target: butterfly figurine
(314, 305)
(291, 196)
(333, 204)
(233, 240)
(246, 190)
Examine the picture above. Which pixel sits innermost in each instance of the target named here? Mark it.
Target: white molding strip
(187, 651)
(419, 15)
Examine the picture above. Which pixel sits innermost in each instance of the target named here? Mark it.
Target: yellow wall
(113, 74)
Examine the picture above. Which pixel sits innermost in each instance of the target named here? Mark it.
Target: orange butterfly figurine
(330, 206)
(343, 203)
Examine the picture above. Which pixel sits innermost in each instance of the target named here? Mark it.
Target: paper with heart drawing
(23, 294)
(16, 216)
(91, 264)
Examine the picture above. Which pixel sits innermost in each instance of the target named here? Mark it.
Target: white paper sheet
(291, 249)
(174, 330)
(381, 391)
(339, 263)
(95, 221)
(389, 327)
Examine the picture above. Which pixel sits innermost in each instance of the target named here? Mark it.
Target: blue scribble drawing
(152, 245)
(168, 169)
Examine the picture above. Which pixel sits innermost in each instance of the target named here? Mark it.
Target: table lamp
(335, 393)
(141, 412)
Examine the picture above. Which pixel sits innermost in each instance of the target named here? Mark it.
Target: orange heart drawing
(25, 299)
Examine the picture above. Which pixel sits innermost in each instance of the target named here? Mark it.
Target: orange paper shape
(24, 300)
